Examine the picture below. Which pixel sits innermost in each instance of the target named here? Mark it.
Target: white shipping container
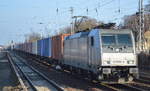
(34, 47)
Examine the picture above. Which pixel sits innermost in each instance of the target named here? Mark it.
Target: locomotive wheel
(130, 78)
(121, 80)
(100, 77)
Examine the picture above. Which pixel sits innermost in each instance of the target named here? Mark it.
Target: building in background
(147, 38)
(1, 47)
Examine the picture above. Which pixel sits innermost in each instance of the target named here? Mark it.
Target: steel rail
(38, 75)
(16, 72)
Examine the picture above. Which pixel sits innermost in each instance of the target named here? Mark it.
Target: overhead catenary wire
(99, 6)
(107, 3)
(90, 10)
(119, 10)
(116, 17)
(57, 10)
(118, 13)
(96, 10)
(87, 10)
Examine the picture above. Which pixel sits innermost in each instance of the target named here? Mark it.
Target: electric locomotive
(103, 54)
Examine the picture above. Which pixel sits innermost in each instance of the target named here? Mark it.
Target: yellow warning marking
(94, 81)
(134, 87)
(111, 87)
(141, 84)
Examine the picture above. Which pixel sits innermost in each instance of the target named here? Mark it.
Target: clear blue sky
(21, 17)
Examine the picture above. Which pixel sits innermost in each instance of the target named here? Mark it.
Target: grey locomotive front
(119, 59)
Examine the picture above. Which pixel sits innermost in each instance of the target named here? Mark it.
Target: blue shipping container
(46, 47)
(39, 47)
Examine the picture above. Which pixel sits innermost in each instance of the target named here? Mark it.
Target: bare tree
(131, 22)
(33, 37)
(147, 22)
(65, 30)
(147, 7)
(86, 24)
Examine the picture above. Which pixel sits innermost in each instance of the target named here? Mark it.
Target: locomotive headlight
(130, 61)
(107, 62)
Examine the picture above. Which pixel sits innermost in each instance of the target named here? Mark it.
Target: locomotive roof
(102, 31)
(76, 35)
(121, 31)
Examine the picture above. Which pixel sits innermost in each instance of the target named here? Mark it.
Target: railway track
(134, 86)
(143, 79)
(16, 70)
(36, 80)
(144, 75)
(141, 84)
(122, 87)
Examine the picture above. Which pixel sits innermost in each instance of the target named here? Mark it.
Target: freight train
(101, 54)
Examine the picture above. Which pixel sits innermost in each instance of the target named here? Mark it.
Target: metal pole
(71, 10)
(141, 25)
(140, 38)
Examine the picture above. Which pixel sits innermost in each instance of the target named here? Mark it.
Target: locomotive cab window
(124, 39)
(92, 41)
(109, 39)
